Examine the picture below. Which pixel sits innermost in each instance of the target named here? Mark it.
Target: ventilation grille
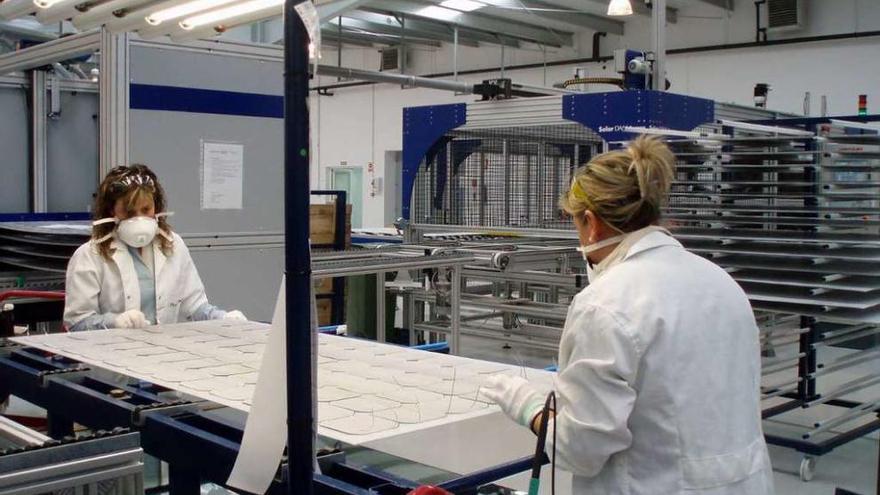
(784, 15)
(390, 59)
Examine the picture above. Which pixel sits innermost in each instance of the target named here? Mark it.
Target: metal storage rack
(792, 213)
(790, 207)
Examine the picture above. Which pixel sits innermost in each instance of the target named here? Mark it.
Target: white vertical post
(658, 44)
(39, 111)
(455, 316)
(502, 60)
(455, 53)
(113, 89)
(380, 307)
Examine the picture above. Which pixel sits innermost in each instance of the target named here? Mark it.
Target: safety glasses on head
(128, 178)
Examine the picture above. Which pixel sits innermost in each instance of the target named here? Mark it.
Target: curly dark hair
(131, 184)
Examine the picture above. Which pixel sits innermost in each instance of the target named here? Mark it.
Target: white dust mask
(137, 232)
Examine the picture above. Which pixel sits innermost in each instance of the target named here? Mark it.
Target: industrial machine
(788, 206)
(785, 205)
(31, 463)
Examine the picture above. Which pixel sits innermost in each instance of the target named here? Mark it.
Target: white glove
(131, 319)
(515, 396)
(235, 315)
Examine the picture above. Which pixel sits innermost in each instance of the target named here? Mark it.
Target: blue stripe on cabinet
(194, 100)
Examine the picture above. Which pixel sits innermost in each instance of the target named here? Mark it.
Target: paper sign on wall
(222, 175)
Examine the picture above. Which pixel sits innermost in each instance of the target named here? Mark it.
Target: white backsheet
(366, 391)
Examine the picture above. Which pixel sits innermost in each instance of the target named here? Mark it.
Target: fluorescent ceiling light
(463, 5)
(45, 4)
(439, 13)
(620, 7)
(183, 10)
(229, 13)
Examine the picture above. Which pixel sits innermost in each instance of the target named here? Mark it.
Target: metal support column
(39, 112)
(455, 53)
(658, 44)
(528, 205)
(539, 184)
(455, 302)
(807, 364)
(300, 340)
(450, 183)
(339, 46)
(402, 54)
(409, 317)
(481, 189)
(113, 92)
(505, 151)
(557, 173)
(544, 62)
(380, 307)
(502, 60)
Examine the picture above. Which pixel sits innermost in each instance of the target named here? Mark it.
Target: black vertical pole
(338, 309)
(297, 261)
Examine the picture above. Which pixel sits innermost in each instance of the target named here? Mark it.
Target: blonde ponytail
(626, 188)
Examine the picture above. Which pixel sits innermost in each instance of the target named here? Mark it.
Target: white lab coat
(659, 380)
(98, 286)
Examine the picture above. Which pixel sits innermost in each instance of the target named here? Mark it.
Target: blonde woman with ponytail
(659, 361)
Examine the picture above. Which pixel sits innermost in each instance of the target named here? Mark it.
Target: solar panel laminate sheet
(40, 264)
(838, 315)
(795, 220)
(785, 251)
(47, 240)
(37, 251)
(800, 265)
(798, 295)
(366, 391)
(82, 229)
(777, 236)
(810, 281)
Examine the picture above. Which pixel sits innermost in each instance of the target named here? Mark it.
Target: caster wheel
(808, 467)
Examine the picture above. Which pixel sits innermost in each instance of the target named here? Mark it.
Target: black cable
(538, 460)
(553, 454)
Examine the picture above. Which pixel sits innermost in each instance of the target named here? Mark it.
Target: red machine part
(429, 490)
(34, 294)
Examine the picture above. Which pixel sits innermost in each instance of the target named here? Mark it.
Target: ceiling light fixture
(620, 7)
(183, 10)
(45, 4)
(463, 5)
(229, 12)
(438, 12)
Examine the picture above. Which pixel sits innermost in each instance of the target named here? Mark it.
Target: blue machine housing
(425, 128)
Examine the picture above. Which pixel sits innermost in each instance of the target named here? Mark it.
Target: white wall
(357, 125)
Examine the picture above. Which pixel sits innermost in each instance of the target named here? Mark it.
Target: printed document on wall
(222, 175)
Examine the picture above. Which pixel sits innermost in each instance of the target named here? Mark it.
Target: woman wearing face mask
(134, 271)
(659, 363)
